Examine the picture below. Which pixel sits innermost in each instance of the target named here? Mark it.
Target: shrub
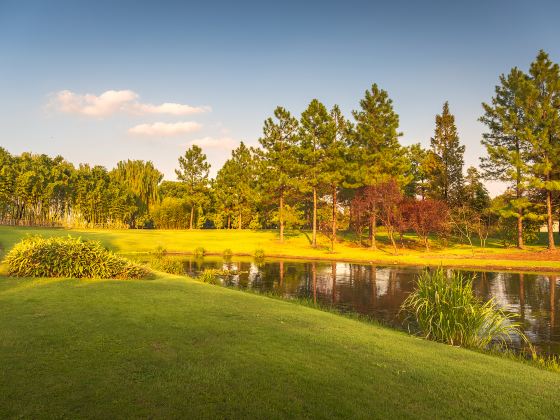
(259, 254)
(210, 276)
(68, 257)
(446, 310)
(199, 252)
(159, 251)
(227, 253)
(168, 265)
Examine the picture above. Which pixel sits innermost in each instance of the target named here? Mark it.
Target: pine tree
(193, 171)
(417, 172)
(445, 162)
(279, 143)
(376, 154)
(508, 152)
(542, 108)
(475, 194)
(317, 133)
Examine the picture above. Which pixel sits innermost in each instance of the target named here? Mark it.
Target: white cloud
(107, 103)
(161, 129)
(115, 101)
(213, 142)
(170, 108)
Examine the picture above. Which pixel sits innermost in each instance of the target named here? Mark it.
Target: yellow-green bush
(68, 257)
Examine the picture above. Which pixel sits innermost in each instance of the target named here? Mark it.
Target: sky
(102, 81)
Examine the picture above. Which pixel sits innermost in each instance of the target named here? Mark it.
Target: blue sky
(233, 63)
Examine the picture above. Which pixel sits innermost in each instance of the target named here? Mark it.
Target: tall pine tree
(445, 161)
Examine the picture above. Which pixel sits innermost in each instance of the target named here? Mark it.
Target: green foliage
(227, 253)
(211, 276)
(445, 309)
(445, 160)
(259, 254)
(199, 252)
(168, 265)
(68, 257)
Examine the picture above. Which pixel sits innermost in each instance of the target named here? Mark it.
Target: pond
(378, 291)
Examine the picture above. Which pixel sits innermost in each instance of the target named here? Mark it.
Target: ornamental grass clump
(68, 257)
(444, 308)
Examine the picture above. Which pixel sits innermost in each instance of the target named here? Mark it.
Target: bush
(210, 276)
(259, 254)
(68, 257)
(199, 252)
(168, 265)
(446, 310)
(227, 253)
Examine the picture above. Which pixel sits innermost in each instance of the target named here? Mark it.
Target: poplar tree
(445, 161)
(376, 154)
(193, 171)
(508, 151)
(279, 143)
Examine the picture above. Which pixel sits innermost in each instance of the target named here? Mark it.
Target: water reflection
(378, 291)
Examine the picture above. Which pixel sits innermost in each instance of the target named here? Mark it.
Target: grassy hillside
(173, 347)
(298, 245)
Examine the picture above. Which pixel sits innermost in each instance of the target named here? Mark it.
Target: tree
(417, 172)
(317, 134)
(543, 134)
(194, 173)
(376, 154)
(390, 199)
(445, 161)
(279, 144)
(426, 217)
(475, 193)
(508, 151)
(142, 179)
(235, 184)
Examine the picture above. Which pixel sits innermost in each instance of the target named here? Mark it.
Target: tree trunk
(192, 217)
(549, 218)
(281, 216)
(333, 233)
(314, 236)
(520, 229)
(372, 227)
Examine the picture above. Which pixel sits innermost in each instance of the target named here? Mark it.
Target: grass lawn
(298, 245)
(174, 347)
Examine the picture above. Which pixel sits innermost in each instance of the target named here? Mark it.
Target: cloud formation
(117, 101)
(161, 129)
(213, 142)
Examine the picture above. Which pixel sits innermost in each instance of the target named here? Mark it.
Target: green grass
(245, 242)
(172, 347)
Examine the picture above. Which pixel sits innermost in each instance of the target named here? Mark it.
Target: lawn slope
(173, 347)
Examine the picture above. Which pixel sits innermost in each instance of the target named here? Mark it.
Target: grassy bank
(173, 347)
(296, 245)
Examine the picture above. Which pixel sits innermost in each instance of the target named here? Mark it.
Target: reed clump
(36, 256)
(444, 308)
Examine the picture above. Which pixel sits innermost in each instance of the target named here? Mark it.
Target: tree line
(325, 172)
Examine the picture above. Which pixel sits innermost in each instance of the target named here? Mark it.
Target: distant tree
(417, 172)
(445, 161)
(376, 154)
(542, 108)
(508, 152)
(390, 200)
(475, 194)
(142, 179)
(426, 217)
(279, 162)
(193, 172)
(235, 184)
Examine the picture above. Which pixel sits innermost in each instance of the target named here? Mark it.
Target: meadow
(297, 245)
